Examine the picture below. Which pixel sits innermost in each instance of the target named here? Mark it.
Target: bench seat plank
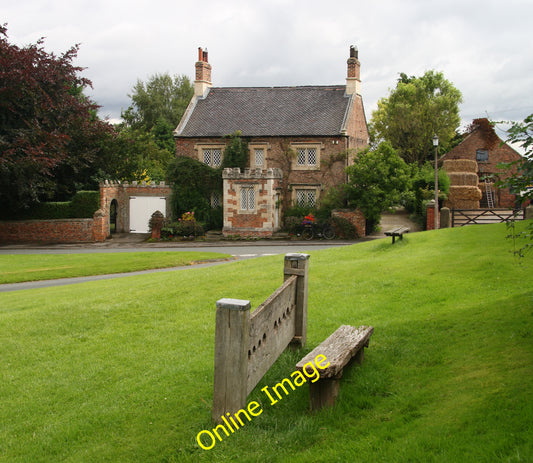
(397, 231)
(339, 349)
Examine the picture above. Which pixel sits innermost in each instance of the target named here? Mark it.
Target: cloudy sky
(483, 47)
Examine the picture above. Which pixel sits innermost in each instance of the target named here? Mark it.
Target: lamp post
(436, 210)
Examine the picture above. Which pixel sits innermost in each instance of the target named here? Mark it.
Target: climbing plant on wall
(193, 186)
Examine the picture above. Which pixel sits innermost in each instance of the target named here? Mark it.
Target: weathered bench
(345, 344)
(399, 231)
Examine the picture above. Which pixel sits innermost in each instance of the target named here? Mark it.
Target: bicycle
(325, 231)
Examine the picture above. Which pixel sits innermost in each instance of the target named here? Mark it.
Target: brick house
(300, 141)
(482, 145)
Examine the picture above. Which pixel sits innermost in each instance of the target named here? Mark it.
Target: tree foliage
(135, 155)
(423, 189)
(193, 183)
(236, 152)
(49, 132)
(161, 98)
(521, 181)
(416, 110)
(376, 182)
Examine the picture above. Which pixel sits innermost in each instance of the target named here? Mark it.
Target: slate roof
(268, 111)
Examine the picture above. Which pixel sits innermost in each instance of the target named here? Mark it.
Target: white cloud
(483, 47)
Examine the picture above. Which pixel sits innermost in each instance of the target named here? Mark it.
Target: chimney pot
(203, 73)
(353, 79)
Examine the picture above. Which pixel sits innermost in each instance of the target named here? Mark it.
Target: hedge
(83, 205)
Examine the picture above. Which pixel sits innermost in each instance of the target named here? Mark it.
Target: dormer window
(482, 155)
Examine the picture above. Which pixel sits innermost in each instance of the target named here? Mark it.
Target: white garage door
(141, 209)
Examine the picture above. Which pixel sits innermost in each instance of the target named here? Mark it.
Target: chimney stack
(353, 79)
(203, 74)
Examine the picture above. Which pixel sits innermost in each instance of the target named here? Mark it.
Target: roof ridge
(339, 86)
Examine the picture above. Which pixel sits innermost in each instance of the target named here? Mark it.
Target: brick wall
(356, 218)
(49, 231)
(262, 220)
(84, 230)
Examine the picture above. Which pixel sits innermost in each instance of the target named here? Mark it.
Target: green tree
(162, 97)
(136, 155)
(423, 190)
(50, 135)
(416, 110)
(376, 182)
(163, 134)
(236, 152)
(520, 181)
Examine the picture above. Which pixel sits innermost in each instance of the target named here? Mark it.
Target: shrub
(193, 184)
(185, 227)
(292, 224)
(84, 204)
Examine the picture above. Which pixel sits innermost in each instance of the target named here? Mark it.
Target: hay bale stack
(464, 191)
(460, 165)
(463, 197)
(463, 178)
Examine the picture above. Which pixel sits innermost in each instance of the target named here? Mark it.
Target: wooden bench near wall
(347, 343)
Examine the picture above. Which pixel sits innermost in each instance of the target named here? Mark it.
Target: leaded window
(259, 157)
(306, 157)
(247, 198)
(216, 199)
(306, 198)
(212, 157)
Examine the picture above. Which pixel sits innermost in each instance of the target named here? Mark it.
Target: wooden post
(232, 335)
(298, 264)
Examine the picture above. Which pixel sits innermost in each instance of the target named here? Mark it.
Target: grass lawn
(122, 370)
(16, 268)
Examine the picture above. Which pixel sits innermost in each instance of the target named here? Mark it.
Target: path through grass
(122, 370)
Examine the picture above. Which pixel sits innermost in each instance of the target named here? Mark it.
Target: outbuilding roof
(267, 111)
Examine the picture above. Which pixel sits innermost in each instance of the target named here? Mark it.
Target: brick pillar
(100, 225)
(430, 218)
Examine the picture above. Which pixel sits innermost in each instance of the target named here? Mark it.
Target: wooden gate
(462, 217)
